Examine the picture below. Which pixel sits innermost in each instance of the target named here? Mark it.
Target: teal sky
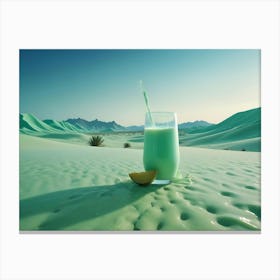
(206, 85)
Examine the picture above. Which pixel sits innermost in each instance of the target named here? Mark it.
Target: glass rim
(161, 112)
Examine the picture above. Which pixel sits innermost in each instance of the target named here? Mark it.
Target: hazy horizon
(209, 85)
(89, 120)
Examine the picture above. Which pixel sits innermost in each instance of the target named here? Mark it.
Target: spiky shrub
(95, 140)
(126, 145)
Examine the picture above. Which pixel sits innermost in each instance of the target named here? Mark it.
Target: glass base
(161, 182)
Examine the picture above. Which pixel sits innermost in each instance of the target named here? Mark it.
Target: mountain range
(241, 131)
(95, 125)
(29, 123)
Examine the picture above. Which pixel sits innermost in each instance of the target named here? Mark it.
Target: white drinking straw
(146, 102)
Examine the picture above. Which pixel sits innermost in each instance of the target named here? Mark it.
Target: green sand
(241, 131)
(75, 187)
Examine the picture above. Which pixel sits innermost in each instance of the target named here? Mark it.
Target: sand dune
(63, 126)
(65, 186)
(242, 131)
(29, 124)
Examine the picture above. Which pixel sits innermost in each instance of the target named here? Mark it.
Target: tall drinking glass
(161, 144)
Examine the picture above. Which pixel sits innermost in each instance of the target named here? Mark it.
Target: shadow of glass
(72, 206)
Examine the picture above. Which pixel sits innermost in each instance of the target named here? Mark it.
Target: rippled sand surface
(73, 187)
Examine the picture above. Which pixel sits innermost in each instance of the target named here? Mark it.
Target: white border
(140, 24)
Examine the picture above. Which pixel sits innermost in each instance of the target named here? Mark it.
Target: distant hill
(241, 131)
(135, 128)
(58, 130)
(243, 126)
(30, 124)
(194, 125)
(95, 125)
(188, 126)
(62, 126)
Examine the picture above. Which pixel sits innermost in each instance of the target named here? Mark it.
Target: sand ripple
(70, 187)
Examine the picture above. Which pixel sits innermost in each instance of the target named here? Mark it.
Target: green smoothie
(161, 151)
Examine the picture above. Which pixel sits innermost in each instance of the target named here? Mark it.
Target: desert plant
(126, 145)
(95, 140)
